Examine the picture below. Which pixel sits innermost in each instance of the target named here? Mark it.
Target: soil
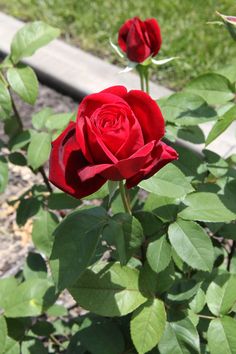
(15, 241)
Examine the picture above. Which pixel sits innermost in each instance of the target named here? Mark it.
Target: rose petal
(123, 33)
(161, 155)
(86, 109)
(154, 35)
(118, 129)
(147, 113)
(118, 90)
(91, 102)
(137, 48)
(65, 160)
(122, 169)
(98, 150)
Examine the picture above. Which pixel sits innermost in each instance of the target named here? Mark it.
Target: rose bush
(140, 39)
(148, 267)
(117, 135)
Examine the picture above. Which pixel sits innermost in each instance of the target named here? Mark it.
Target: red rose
(140, 39)
(116, 136)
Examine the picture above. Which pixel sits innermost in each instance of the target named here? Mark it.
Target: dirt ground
(15, 242)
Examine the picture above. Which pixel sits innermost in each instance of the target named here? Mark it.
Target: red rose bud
(230, 22)
(140, 39)
(117, 135)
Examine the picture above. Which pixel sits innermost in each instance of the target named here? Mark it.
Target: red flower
(140, 39)
(116, 136)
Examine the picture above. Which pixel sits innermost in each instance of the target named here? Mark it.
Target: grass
(90, 23)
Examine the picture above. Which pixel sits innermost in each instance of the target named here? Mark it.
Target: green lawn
(89, 23)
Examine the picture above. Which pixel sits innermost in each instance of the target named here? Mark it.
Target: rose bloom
(140, 39)
(117, 135)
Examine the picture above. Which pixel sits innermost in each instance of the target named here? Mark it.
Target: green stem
(141, 80)
(143, 72)
(45, 179)
(140, 72)
(146, 76)
(124, 198)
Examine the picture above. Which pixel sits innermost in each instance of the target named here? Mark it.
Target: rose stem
(140, 72)
(146, 76)
(45, 179)
(124, 198)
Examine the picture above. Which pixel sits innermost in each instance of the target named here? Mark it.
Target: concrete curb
(76, 73)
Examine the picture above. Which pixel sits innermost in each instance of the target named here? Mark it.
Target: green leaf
(128, 235)
(3, 173)
(26, 209)
(147, 325)
(5, 102)
(163, 207)
(192, 244)
(187, 109)
(221, 294)
(152, 282)
(31, 298)
(24, 82)
(101, 336)
(7, 287)
(76, 239)
(3, 334)
(183, 290)
(33, 346)
(198, 302)
(43, 227)
(151, 224)
(39, 149)
(35, 267)
(215, 89)
(208, 207)
(17, 327)
(59, 200)
(57, 311)
(20, 140)
(39, 118)
(159, 254)
(58, 121)
(180, 337)
(43, 327)
(221, 336)
(221, 125)
(169, 182)
(12, 347)
(108, 290)
(190, 163)
(30, 38)
(193, 134)
(17, 159)
(215, 164)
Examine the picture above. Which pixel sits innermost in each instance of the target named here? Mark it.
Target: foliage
(159, 280)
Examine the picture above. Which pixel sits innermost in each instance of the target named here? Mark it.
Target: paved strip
(76, 73)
